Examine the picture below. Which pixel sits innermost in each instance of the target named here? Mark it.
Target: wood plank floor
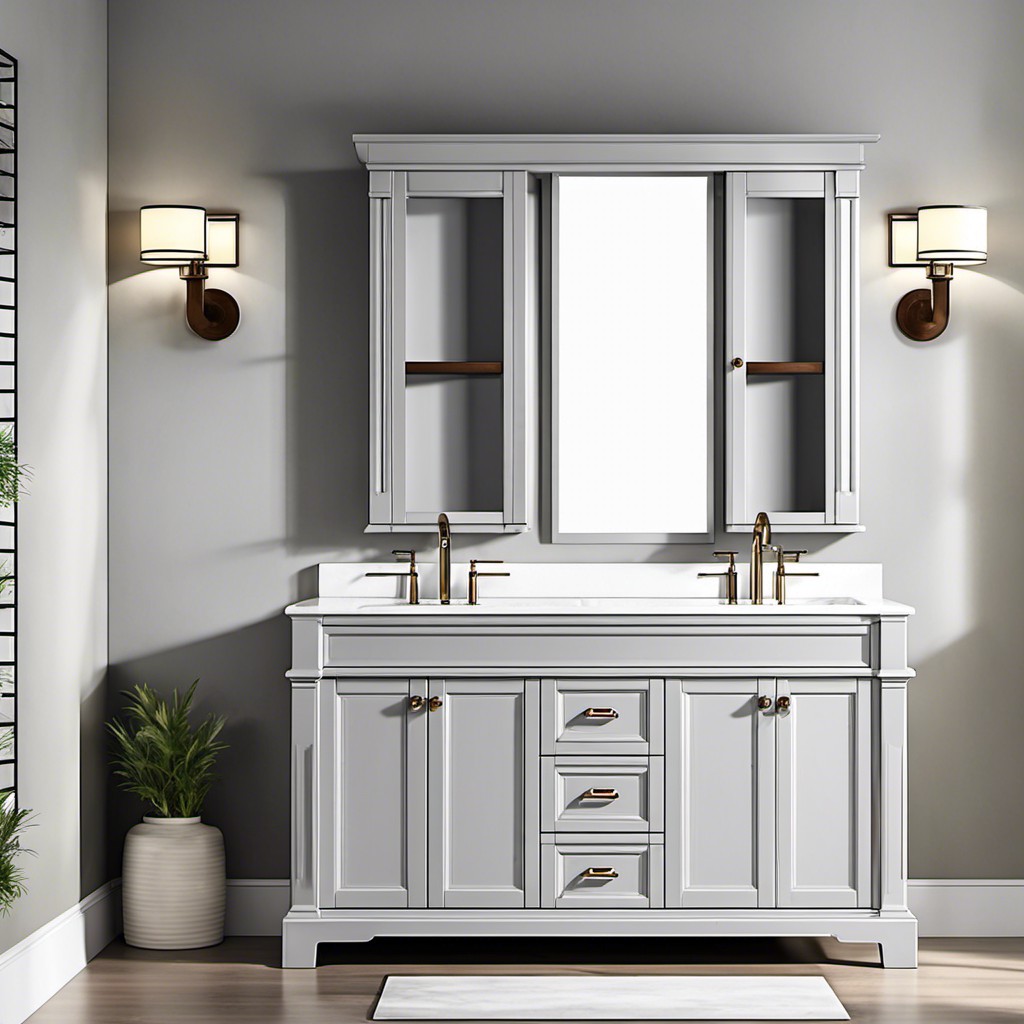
(969, 981)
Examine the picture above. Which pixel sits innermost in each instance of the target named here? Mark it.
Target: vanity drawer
(602, 716)
(579, 872)
(582, 794)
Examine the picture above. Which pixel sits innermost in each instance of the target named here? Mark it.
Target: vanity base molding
(895, 933)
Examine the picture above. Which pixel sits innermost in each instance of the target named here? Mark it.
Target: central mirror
(632, 330)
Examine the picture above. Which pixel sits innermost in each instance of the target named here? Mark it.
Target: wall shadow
(242, 677)
(327, 324)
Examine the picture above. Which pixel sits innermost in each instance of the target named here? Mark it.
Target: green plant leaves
(13, 823)
(12, 473)
(158, 756)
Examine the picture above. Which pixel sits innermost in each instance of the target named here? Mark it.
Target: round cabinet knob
(416, 703)
(737, 362)
(783, 703)
(764, 703)
(435, 703)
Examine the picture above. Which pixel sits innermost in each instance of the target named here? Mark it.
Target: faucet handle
(729, 574)
(409, 556)
(474, 562)
(794, 555)
(474, 593)
(412, 575)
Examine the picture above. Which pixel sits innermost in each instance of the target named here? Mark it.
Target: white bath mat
(607, 997)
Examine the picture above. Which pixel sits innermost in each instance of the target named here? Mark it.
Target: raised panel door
(719, 793)
(482, 794)
(824, 793)
(373, 790)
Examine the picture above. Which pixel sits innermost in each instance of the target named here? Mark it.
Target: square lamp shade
(952, 234)
(172, 235)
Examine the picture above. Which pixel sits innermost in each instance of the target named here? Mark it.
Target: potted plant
(13, 822)
(173, 889)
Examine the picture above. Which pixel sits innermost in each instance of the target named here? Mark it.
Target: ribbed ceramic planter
(173, 888)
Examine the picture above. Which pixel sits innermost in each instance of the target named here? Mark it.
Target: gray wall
(62, 349)
(235, 467)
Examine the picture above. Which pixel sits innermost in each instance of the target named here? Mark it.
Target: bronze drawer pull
(600, 794)
(600, 873)
(601, 713)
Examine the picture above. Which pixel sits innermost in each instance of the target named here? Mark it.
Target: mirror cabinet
(689, 304)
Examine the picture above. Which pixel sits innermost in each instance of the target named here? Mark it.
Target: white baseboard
(256, 906)
(963, 907)
(45, 961)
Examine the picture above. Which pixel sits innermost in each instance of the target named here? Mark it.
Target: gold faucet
(762, 538)
(444, 559)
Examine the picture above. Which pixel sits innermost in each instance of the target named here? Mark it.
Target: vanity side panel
(305, 797)
(893, 796)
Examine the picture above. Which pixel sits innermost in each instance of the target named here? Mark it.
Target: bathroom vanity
(598, 750)
(605, 749)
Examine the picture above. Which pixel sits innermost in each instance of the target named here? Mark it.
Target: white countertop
(596, 589)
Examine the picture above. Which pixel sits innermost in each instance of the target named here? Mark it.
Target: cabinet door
(719, 793)
(824, 793)
(453, 266)
(373, 794)
(791, 349)
(483, 794)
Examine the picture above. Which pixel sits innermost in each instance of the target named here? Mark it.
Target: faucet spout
(761, 538)
(444, 559)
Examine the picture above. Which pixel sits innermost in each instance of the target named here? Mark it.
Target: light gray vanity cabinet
(768, 807)
(453, 328)
(428, 792)
(791, 349)
(688, 769)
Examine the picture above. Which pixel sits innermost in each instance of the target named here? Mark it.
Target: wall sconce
(189, 238)
(939, 238)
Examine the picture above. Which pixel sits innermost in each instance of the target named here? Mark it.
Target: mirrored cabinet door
(790, 354)
(632, 397)
(453, 264)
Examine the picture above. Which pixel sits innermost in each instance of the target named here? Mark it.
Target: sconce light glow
(939, 237)
(187, 238)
